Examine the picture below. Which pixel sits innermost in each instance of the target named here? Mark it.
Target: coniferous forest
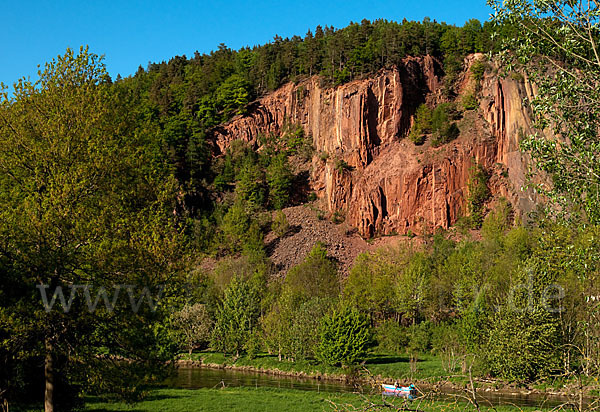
(113, 198)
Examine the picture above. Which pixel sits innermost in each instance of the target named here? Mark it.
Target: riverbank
(427, 373)
(268, 399)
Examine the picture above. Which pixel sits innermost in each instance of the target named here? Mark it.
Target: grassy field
(398, 367)
(265, 399)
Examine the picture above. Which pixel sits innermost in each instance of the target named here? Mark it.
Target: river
(195, 378)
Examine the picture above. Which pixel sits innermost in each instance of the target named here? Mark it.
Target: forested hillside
(112, 186)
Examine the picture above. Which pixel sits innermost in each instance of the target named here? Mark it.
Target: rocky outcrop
(502, 106)
(391, 185)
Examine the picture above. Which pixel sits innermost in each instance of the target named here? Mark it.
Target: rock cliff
(391, 185)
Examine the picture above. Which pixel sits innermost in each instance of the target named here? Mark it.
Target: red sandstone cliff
(395, 186)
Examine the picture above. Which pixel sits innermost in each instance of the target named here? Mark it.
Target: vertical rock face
(502, 106)
(393, 186)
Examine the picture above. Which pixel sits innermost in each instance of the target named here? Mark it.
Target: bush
(447, 134)
(391, 336)
(341, 166)
(337, 217)
(419, 338)
(345, 338)
(280, 224)
(422, 125)
(478, 194)
(523, 345)
(478, 69)
(250, 185)
(417, 137)
(315, 277)
(279, 179)
(446, 343)
(469, 102)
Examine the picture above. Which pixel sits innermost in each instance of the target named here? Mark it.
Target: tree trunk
(190, 353)
(49, 374)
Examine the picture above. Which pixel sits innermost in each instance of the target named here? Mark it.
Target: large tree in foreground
(84, 209)
(557, 46)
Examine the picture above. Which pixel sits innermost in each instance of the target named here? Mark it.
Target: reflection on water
(195, 378)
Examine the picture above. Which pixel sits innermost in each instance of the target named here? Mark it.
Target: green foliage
(315, 277)
(280, 224)
(419, 338)
(345, 337)
(523, 345)
(411, 287)
(84, 199)
(469, 102)
(369, 286)
(279, 179)
(446, 343)
(337, 217)
(342, 166)
(341, 76)
(251, 187)
(478, 194)
(236, 317)
(443, 128)
(564, 143)
(391, 337)
(422, 125)
(191, 326)
(478, 69)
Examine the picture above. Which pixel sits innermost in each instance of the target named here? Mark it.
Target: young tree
(315, 277)
(279, 179)
(556, 44)
(236, 317)
(345, 337)
(192, 326)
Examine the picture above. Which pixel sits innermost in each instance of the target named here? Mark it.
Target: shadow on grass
(96, 404)
(384, 359)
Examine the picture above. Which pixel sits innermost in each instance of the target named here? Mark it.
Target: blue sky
(130, 33)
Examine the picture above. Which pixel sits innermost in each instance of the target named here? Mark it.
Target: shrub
(341, 166)
(345, 338)
(419, 338)
(341, 76)
(469, 102)
(422, 125)
(280, 224)
(250, 185)
(279, 178)
(391, 336)
(417, 137)
(446, 135)
(523, 345)
(516, 76)
(445, 342)
(337, 217)
(315, 277)
(478, 194)
(235, 225)
(478, 69)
